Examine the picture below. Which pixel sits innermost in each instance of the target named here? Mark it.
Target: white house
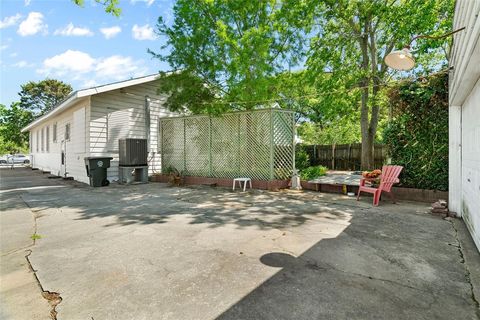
(89, 122)
(464, 117)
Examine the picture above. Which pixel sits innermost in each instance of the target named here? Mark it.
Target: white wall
(75, 148)
(464, 117)
(128, 104)
(470, 197)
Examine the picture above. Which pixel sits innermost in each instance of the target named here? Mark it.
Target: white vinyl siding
(51, 160)
(78, 134)
(37, 140)
(118, 127)
(116, 115)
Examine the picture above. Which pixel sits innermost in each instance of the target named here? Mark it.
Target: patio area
(155, 251)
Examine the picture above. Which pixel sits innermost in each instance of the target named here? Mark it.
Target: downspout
(147, 121)
(147, 129)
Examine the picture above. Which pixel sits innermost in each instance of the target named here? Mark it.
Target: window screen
(67, 132)
(47, 139)
(43, 139)
(54, 133)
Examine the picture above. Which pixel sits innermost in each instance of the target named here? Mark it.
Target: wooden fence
(342, 156)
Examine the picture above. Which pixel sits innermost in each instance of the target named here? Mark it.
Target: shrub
(311, 173)
(417, 136)
(302, 159)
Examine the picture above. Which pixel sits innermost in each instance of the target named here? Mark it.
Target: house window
(47, 137)
(37, 140)
(67, 132)
(54, 133)
(43, 139)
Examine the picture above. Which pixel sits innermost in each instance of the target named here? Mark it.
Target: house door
(63, 159)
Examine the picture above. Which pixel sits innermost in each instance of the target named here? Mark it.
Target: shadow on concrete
(157, 203)
(369, 271)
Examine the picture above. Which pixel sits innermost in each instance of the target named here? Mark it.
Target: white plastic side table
(244, 180)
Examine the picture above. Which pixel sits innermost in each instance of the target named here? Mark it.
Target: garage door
(471, 163)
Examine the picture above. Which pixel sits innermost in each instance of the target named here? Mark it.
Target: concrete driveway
(157, 252)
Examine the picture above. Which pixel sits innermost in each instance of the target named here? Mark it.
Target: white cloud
(71, 61)
(13, 54)
(27, 2)
(10, 21)
(80, 66)
(71, 30)
(147, 2)
(3, 47)
(32, 25)
(110, 32)
(119, 68)
(23, 64)
(143, 33)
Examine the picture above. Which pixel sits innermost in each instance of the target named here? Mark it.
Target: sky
(83, 46)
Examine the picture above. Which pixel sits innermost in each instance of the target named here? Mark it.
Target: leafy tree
(232, 48)
(40, 97)
(110, 6)
(354, 36)
(12, 120)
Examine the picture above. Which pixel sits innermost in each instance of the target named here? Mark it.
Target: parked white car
(18, 158)
(4, 158)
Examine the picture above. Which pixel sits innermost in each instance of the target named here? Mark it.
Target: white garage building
(464, 117)
(90, 122)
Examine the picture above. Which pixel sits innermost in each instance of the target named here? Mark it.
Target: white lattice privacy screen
(256, 144)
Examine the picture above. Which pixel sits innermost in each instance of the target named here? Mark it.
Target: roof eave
(89, 92)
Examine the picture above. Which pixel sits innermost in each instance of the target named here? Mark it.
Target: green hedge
(417, 136)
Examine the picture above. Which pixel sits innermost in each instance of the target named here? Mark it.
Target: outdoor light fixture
(403, 59)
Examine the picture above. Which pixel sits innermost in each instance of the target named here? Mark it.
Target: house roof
(77, 95)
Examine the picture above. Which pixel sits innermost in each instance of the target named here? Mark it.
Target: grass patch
(35, 236)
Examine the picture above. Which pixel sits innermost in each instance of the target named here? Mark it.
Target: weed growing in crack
(35, 236)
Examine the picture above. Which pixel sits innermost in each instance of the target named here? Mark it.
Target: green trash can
(97, 170)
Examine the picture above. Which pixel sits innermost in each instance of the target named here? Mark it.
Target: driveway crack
(53, 298)
(468, 278)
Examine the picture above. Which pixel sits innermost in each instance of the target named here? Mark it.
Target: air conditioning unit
(132, 152)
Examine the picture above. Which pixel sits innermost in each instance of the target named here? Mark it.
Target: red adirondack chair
(388, 178)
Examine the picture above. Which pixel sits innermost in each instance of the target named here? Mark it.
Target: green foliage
(302, 159)
(12, 120)
(351, 41)
(417, 137)
(311, 173)
(184, 89)
(236, 49)
(35, 236)
(40, 97)
(110, 6)
(335, 131)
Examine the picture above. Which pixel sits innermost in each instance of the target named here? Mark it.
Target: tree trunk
(367, 158)
(367, 139)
